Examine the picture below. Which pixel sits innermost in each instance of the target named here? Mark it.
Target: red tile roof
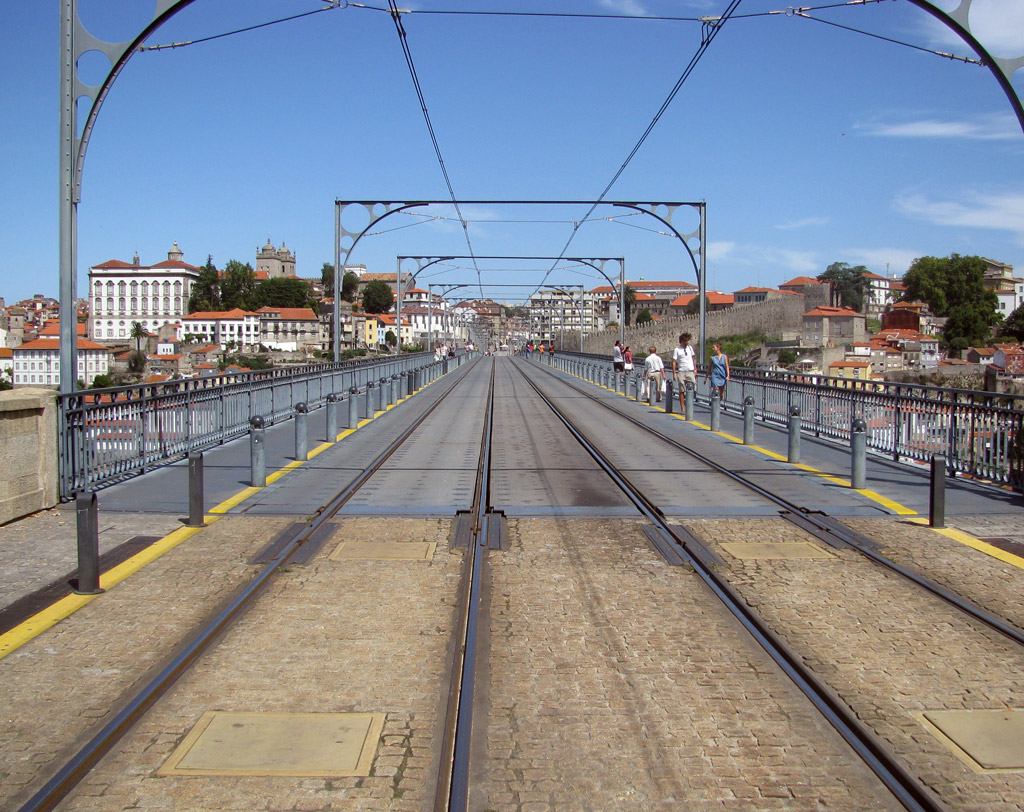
(54, 344)
(832, 312)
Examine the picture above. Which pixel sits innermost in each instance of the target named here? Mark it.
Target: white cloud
(633, 8)
(997, 24)
(804, 223)
(719, 250)
(990, 127)
(1000, 211)
(880, 260)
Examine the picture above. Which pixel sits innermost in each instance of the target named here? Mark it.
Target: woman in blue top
(719, 370)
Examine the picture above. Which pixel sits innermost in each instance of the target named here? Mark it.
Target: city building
(276, 263)
(37, 362)
(1008, 288)
(290, 329)
(123, 292)
(826, 326)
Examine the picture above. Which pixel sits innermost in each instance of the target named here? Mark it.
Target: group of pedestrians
(684, 368)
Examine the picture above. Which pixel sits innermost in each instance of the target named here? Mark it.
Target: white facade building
(37, 363)
(223, 327)
(153, 295)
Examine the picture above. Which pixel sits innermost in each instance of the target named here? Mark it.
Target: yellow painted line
(234, 501)
(977, 544)
(66, 606)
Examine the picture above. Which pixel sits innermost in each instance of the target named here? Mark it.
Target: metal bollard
(688, 403)
(196, 512)
(383, 391)
(858, 453)
(88, 544)
(331, 410)
(368, 399)
(716, 411)
(793, 451)
(396, 388)
(748, 420)
(410, 378)
(651, 392)
(257, 452)
(639, 383)
(353, 407)
(670, 393)
(301, 431)
(937, 497)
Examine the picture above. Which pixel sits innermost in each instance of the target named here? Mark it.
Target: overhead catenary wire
(396, 16)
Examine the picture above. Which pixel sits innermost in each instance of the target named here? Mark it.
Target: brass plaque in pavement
(992, 739)
(311, 745)
(777, 549)
(384, 551)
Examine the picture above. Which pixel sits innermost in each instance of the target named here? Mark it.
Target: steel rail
(801, 516)
(452, 790)
(907, 790)
(57, 787)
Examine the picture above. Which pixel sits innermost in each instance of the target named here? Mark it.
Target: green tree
(390, 338)
(693, 307)
(629, 297)
(205, 292)
(327, 278)
(1013, 327)
(378, 297)
(850, 285)
(349, 286)
(644, 317)
(238, 286)
(284, 292)
(954, 288)
(137, 363)
(787, 357)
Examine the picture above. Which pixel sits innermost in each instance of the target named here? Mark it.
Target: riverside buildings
(123, 292)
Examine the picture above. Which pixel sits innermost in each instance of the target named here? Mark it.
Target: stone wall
(772, 317)
(28, 439)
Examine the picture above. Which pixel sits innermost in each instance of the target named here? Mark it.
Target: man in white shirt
(684, 368)
(654, 369)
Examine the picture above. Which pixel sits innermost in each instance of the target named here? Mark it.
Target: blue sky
(810, 144)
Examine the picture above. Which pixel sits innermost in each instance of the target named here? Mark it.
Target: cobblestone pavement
(887, 648)
(618, 682)
(990, 583)
(64, 682)
(38, 549)
(333, 636)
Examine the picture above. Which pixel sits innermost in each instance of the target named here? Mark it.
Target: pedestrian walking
(627, 360)
(654, 371)
(684, 368)
(719, 371)
(617, 362)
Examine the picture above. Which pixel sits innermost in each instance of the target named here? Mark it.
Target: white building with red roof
(123, 292)
(37, 362)
(236, 326)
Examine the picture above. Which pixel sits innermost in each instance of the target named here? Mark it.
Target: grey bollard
(353, 407)
(332, 417)
(88, 544)
(196, 510)
(639, 383)
(410, 378)
(937, 497)
(397, 388)
(257, 452)
(748, 420)
(793, 450)
(716, 411)
(383, 394)
(368, 401)
(670, 391)
(688, 403)
(858, 453)
(652, 394)
(301, 431)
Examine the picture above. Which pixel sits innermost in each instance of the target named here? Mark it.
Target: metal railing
(110, 434)
(980, 434)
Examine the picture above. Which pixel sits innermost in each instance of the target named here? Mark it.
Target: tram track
(72, 772)
(904, 787)
(827, 529)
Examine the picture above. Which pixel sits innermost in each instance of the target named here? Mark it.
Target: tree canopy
(644, 317)
(327, 278)
(1014, 325)
(237, 287)
(284, 292)
(954, 288)
(205, 293)
(378, 297)
(349, 286)
(850, 285)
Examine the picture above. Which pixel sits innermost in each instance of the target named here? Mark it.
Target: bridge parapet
(28, 426)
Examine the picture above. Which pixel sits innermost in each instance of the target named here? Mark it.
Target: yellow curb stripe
(975, 543)
(68, 605)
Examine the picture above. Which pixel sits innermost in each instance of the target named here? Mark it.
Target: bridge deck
(611, 681)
